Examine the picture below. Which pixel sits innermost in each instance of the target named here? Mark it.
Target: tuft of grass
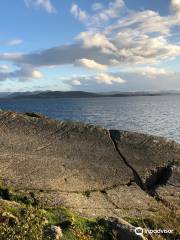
(162, 219)
(22, 223)
(22, 218)
(22, 197)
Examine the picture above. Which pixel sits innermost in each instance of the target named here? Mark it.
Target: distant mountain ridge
(82, 94)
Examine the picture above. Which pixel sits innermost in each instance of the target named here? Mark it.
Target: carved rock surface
(89, 169)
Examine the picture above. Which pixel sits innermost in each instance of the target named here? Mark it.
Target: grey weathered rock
(53, 233)
(61, 161)
(48, 154)
(170, 192)
(155, 162)
(123, 230)
(147, 155)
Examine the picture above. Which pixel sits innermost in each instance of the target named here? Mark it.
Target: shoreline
(88, 169)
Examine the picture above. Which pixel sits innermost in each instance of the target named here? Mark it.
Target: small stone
(53, 232)
(10, 218)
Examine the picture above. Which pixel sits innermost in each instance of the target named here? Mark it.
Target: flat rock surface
(43, 154)
(89, 169)
(147, 154)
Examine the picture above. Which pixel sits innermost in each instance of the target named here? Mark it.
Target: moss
(21, 218)
(21, 221)
(163, 219)
(7, 193)
(22, 198)
(76, 227)
(28, 221)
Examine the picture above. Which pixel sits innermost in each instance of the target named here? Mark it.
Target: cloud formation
(22, 74)
(44, 4)
(140, 38)
(115, 37)
(101, 78)
(14, 42)
(108, 79)
(175, 5)
(153, 72)
(90, 64)
(78, 13)
(102, 15)
(4, 68)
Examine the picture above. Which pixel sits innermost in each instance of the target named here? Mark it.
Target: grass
(23, 222)
(22, 217)
(163, 219)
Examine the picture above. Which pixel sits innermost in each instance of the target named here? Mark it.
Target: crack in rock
(137, 178)
(103, 190)
(158, 177)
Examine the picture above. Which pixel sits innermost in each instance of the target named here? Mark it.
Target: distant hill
(81, 94)
(4, 94)
(59, 94)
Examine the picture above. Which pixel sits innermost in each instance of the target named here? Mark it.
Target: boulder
(122, 230)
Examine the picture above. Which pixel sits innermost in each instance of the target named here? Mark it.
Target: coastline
(90, 170)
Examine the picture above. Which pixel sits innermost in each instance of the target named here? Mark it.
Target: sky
(96, 46)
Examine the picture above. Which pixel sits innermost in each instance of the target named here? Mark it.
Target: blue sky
(118, 45)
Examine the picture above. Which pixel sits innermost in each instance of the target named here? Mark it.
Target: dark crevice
(158, 177)
(131, 182)
(137, 178)
(101, 190)
(33, 114)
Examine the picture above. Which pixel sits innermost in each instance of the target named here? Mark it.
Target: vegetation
(22, 217)
(163, 219)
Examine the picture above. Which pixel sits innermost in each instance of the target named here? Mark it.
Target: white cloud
(104, 15)
(24, 73)
(14, 42)
(90, 39)
(111, 12)
(37, 74)
(135, 39)
(144, 49)
(10, 56)
(108, 79)
(175, 5)
(153, 72)
(97, 6)
(78, 13)
(76, 82)
(144, 22)
(90, 64)
(4, 68)
(139, 38)
(103, 79)
(45, 4)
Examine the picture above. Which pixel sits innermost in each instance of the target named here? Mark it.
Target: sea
(157, 115)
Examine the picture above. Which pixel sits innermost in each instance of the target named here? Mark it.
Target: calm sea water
(159, 115)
